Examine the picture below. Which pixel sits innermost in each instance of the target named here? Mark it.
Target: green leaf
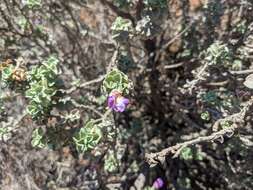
(6, 74)
(218, 53)
(186, 153)
(37, 139)
(88, 137)
(122, 29)
(42, 81)
(33, 3)
(116, 80)
(205, 116)
(111, 162)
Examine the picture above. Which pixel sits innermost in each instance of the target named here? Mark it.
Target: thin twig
(176, 37)
(85, 84)
(191, 84)
(159, 157)
(176, 65)
(243, 72)
(163, 47)
(76, 104)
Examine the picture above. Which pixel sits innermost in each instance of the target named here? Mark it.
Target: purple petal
(158, 183)
(125, 101)
(120, 107)
(121, 104)
(111, 100)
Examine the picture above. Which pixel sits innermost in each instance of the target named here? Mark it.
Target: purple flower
(158, 183)
(117, 102)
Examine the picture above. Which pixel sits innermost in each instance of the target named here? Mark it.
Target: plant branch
(159, 157)
(85, 84)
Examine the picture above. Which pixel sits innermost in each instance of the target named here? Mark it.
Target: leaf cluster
(88, 137)
(122, 29)
(188, 153)
(218, 53)
(37, 139)
(6, 75)
(116, 80)
(42, 81)
(111, 163)
(32, 3)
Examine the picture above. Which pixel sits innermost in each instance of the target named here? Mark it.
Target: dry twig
(85, 84)
(159, 157)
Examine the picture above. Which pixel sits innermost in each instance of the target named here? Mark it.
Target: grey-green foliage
(42, 81)
(205, 116)
(32, 3)
(210, 97)
(116, 80)
(241, 27)
(38, 139)
(218, 53)
(214, 10)
(3, 132)
(184, 183)
(152, 17)
(88, 137)
(148, 3)
(155, 3)
(23, 23)
(74, 115)
(6, 74)
(237, 64)
(114, 157)
(222, 101)
(109, 130)
(111, 163)
(189, 153)
(122, 29)
(146, 27)
(122, 3)
(226, 124)
(149, 188)
(186, 153)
